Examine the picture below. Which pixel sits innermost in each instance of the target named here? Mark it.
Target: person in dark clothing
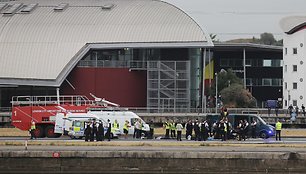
(297, 110)
(303, 110)
(94, 130)
(253, 127)
(87, 131)
(100, 132)
(245, 129)
(290, 109)
(196, 128)
(204, 128)
(109, 128)
(151, 134)
(240, 130)
(189, 128)
(223, 132)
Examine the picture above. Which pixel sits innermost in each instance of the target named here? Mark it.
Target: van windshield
(261, 120)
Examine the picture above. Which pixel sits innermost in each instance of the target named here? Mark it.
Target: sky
(233, 19)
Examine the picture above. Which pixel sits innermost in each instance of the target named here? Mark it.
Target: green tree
(236, 96)
(230, 88)
(267, 39)
(226, 78)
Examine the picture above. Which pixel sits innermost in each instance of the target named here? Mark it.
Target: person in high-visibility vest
(278, 128)
(116, 124)
(172, 129)
(32, 129)
(126, 128)
(167, 126)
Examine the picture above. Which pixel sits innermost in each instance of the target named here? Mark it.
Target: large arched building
(294, 86)
(137, 53)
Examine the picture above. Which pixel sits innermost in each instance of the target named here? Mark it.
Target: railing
(113, 64)
(259, 111)
(51, 100)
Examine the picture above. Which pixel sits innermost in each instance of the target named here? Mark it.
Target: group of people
(174, 130)
(94, 130)
(202, 130)
(295, 111)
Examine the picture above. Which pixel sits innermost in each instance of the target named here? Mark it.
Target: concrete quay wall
(150, 162)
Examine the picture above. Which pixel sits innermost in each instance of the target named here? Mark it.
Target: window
(285, 102)
(267, 63)
(294, 68)
(294, 50)
(294, 85)
(285, 85)
(276, 63)
(266, 82)
(248, 62)
(276, 82)
(294, 102)
(285, 68)
(285, 51)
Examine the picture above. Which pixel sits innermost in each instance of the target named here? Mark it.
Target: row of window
(263, 82)
(294, 68)
(294, 103)
(294, 51)
(294, 85)
(251, 62)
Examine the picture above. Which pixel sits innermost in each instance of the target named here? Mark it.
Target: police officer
(167, 126)
(172, 129)
(189, 128)
(196, 128)
(240, 130)
(253, 126)
(93, 131)
(223, 130)
(32, 129)
(109, 128)
(224, 114)
(87, 131)
(100, 131)
(278, 128)
(203, 131)
(126, 128)
(116, 124)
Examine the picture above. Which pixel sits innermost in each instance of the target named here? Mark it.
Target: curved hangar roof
(293, 24)
(40, 45)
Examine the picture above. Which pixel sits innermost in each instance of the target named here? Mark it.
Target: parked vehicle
(66, 122)
(121, 116)
(263, 130)
(43, 110)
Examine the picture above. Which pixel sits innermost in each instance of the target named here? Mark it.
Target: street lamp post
(216, 74)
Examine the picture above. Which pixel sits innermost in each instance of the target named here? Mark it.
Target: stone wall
(151, 162)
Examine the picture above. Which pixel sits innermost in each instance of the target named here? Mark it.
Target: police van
(74, 124)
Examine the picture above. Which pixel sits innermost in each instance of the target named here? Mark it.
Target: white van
(74, 124)
(121, 116)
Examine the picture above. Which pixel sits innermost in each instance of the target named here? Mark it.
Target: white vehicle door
(59, 123)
